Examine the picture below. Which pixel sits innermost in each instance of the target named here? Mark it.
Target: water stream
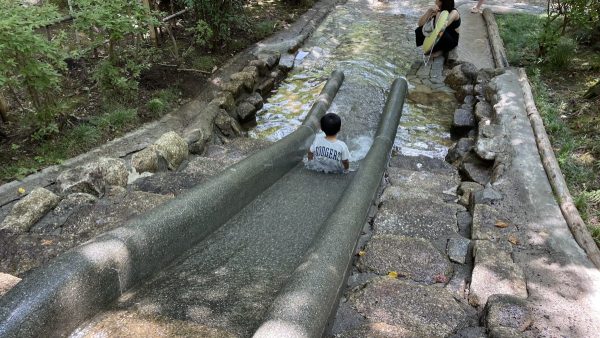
(372, 42)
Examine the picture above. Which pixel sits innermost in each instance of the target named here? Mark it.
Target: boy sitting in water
(327, 153)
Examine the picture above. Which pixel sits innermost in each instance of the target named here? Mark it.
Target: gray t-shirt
(328, 155)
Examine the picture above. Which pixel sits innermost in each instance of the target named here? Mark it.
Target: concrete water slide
(264, 246)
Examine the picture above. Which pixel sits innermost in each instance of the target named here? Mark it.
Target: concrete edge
(55, 299)
(306, 303)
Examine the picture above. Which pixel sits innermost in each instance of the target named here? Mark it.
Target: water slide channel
(225, 284)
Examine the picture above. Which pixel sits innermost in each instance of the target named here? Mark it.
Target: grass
(558, 81)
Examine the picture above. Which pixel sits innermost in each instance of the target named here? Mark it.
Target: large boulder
(456, 78)
(30, 209)
(173, 148)
(94, 177)
(148, 160)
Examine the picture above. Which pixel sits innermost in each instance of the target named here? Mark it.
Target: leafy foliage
(28, 59)
(222, 16)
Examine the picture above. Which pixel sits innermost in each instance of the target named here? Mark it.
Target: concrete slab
(430, 310)
(413, 258)
(418, 218)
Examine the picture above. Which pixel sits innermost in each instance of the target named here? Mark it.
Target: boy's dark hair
(447, 5)
(331, 124)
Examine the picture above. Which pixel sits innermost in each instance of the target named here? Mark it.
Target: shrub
(156, 106)
(560, 55)
(28, 60)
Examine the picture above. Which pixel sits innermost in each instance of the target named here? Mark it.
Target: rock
(494, 273)
(458, 249)
(483, 111)
(110, 212)
(464, 221)
(464, 91)
(270, 59)
(197, 140)
(456, 78)
(414, 258)
(255, 99)
(460, 149)
(463, 119)
(252, 70)
(261, 65)
(470, 71)
(470, 100)
(148, 160)
(286, 63)
(265, 87)
(277, 75)
(227, 126)
(476, 171)
(490, 141)
(173, 148)
(246, 111)
(31, 208)
(92, 178)
(466, 189)
(507, 311)
(7, 282)
(235, 87)
(430, 309)
(486, 196)
(224, 100)
(57, 217)
(247, 78)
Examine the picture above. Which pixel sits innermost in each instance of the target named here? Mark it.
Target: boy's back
(328, 155)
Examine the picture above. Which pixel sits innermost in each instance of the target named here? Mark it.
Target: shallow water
(372, 42)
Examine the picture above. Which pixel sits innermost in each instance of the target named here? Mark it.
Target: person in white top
(327, 153)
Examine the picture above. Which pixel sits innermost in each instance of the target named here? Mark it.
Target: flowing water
(372, 42)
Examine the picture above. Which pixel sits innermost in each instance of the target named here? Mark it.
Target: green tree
(119, 24)
(221, 16)
(28, 60)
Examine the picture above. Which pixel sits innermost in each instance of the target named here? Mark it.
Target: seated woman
(449, 39)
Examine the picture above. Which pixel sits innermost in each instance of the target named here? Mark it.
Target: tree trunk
(3, 109)
(593, 91)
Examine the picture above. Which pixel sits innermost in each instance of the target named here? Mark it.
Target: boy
(327, 153)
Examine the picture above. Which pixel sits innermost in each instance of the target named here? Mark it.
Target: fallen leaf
(513, 239)
(21, 190)
(440, 278)
(361, 253)
(501, 224)
(47, 241)
(393, 274)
